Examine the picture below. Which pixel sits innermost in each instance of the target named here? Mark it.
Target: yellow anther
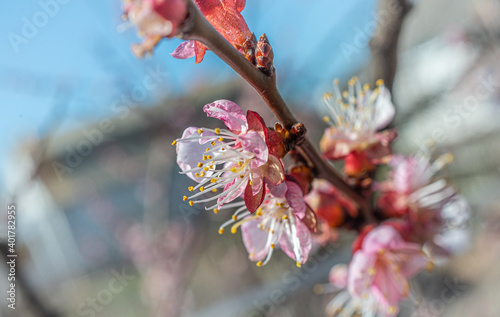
(185, 198)
(211, 166)
(345, 94)
(326, 119)
(209, 157)
(351, 82)
(174, 142)
(233, 169)
(259, 212)
(191, 203)
(336, 81)
(190, 188)
(196, 174)
(366, 87)
(221, 230)
(205, 157)
(213, 180)
(214, 190)
(285, 217)
(298, 264)
(207, 150)
(202, 174)
(202, 188)
(327, 95)
(242, 176)
(216, 211)
(221, 139)
(240, 163)
(272, 246)
(217, 130)
(234, 230)
(213, 143)
(200, 164)
(200, 131)
(259, 264)
(379, 82)
(250, 182)
(206, 169)
(235, 217)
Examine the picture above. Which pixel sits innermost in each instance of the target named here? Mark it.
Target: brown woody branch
(384, 43)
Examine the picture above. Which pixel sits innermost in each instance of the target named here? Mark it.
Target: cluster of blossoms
(239, 167)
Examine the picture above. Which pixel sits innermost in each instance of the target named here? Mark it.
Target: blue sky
(76, 62)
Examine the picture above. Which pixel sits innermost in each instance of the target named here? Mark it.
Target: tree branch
(199, 29)
(384, 44)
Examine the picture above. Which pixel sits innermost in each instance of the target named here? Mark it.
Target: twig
(199, 29)
(384, 44)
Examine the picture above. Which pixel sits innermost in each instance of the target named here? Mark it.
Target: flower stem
(199, 29)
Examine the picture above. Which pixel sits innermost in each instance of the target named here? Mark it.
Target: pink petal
(295, 199)
(305, 241)
(229, 112)
(334, 145)
(257, 181)
(190, 153)
(254, 240)
(389, 287)
(273, 170)
(380, 150)
(278, 190)
(381, 237)
(184, 50)
(359, 278)
(384, 109)
(253, 142)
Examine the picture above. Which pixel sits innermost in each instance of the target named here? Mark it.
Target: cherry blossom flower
(155, 19)
(380, 270)
(283, 220)
(357, 114)
(428, 202)
(239, 160)
(225, 16)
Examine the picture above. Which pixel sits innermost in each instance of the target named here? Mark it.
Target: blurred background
(86, 155)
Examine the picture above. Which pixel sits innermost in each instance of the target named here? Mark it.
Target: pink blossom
(235, 159)
(155, 19)
(281, 221)
(356, 115)
(415, 192)
(382, 267)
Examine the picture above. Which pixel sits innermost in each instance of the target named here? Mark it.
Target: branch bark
(384, 44)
